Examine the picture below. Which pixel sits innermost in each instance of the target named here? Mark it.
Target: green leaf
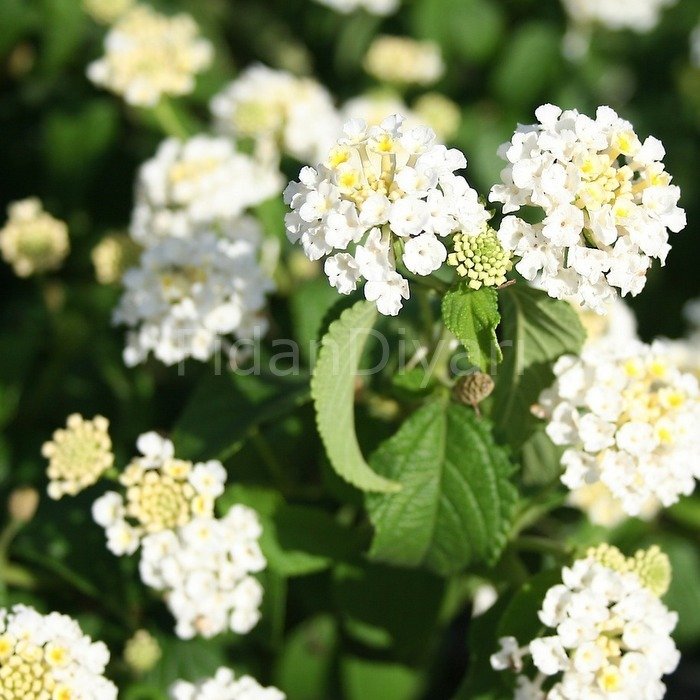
(530, 63)
(296, 540)
(383, 607)
(456, 502)
(540, 459)
(473, 317)
(536, 330)
(224, 409)
(305, 665)
(333, 392)
(363, 679)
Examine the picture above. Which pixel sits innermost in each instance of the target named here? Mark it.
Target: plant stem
(542, 545)
(274, 466)
(169, 120)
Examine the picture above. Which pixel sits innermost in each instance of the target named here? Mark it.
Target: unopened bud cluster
(480, 259)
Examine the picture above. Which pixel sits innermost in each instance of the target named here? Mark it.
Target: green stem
(274, 466)
(542, 545)
(6, 537)
(440, 361)
(169, 120)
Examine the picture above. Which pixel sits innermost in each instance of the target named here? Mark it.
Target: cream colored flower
(113, 255)
(148, 55)
(396, 59)
(78, 455)
(142, 652)
(32, 240)
(107, 11)
(440, 113)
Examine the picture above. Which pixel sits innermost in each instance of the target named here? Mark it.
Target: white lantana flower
(200, 181)
(204, 568)
(188, 293)
(629, 419)
(148, 55)
(32, 240)
(638, 15)
(48, 656)
(224, 686)
(402, 60)
(606, 199)
(611, 634)
(160, 493)
(382, 192)
(279, 111)
(374, 7)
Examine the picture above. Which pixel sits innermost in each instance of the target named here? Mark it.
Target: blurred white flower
(402, 60)
(638, 15)
(611, 632)
(607, 203)
(48, 656)
(224, 686)
(107, 11)
(148, 55)
(382, 192)
(628, 417)
(280, 112)
(32, 241)
(375, 7)
(201, 181)
(204, 569)
(188, 293)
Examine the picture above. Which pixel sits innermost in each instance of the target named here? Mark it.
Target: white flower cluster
(606, 198)
(375, 7)
(148, 55)
(47, 657)
(194, 184)
(384, 192)
(612, 639)
(204, 569)
(279, 111)
(162, 493)
(638, 15)
(629, 419)
(402, 60)
(224, 686)
(199, 277)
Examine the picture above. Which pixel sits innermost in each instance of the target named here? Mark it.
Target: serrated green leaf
(333, 390)
(456, 502)
(536, 330)
(472, 315)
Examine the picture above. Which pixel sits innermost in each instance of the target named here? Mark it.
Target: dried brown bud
(472, 389)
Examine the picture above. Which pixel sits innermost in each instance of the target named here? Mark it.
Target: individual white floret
(384, 196)
(638, 15)
(607, 205)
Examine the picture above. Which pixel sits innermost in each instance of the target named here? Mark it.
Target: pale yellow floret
(113, 255)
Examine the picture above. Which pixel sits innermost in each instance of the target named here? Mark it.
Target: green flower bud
(142, 652)
(480, 258)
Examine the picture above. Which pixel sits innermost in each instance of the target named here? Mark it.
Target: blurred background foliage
(78, 149)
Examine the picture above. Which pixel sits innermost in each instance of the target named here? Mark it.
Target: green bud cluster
(480, 258)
